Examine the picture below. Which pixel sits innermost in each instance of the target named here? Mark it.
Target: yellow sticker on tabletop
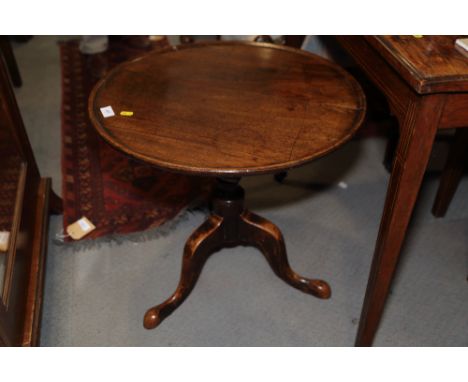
(418, 36)
(126, 113)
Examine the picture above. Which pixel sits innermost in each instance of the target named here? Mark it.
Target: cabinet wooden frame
(21, 299)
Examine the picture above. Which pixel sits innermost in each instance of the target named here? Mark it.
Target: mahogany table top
(228, 109)
(429, 64)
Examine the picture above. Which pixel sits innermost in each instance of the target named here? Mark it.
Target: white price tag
(4, 241)
(80, 228)
(107, 111)
(84, 225)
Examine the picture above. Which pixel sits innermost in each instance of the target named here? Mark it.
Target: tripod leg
(264, 235)
(197, 250)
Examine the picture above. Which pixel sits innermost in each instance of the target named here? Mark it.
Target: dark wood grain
(15, 284)
(7, 52)
(455, 112)
(385, 78)
(231, 225)
(21, 290)
(429, 64)
(294, 41)
(414, 148)
(33, 312)
(425, 83)
(228, 108)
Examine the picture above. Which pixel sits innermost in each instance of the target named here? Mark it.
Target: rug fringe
(134, 237)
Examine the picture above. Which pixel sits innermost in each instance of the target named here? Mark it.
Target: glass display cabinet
(25, 203)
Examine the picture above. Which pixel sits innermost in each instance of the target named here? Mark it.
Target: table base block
(229, 225)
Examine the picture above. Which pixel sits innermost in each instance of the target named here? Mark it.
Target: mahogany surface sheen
(426, 84)
(228, 108)
(429, 64)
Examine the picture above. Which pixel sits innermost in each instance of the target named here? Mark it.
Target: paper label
(107, 111)
(80, 228)
(84, 225)
(4, 241)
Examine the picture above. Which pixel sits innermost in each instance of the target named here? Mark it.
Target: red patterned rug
(118, 194)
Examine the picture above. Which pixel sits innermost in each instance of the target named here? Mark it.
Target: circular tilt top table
(228, 110)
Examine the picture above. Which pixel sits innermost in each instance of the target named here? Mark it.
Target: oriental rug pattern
(119, 195)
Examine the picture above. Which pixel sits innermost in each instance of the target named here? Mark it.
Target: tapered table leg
(228, 226)
(417, 133)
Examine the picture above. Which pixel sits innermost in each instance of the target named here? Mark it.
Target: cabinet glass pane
(10, 167)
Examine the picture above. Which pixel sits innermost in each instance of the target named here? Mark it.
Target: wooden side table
(425, 81)
(228, 110)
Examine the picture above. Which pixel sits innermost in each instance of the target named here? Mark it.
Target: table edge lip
(240, 171)
(422, 85)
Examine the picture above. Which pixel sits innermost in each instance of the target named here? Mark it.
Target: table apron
(455, 112)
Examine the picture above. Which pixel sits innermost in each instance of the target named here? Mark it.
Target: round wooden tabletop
(228, 109)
